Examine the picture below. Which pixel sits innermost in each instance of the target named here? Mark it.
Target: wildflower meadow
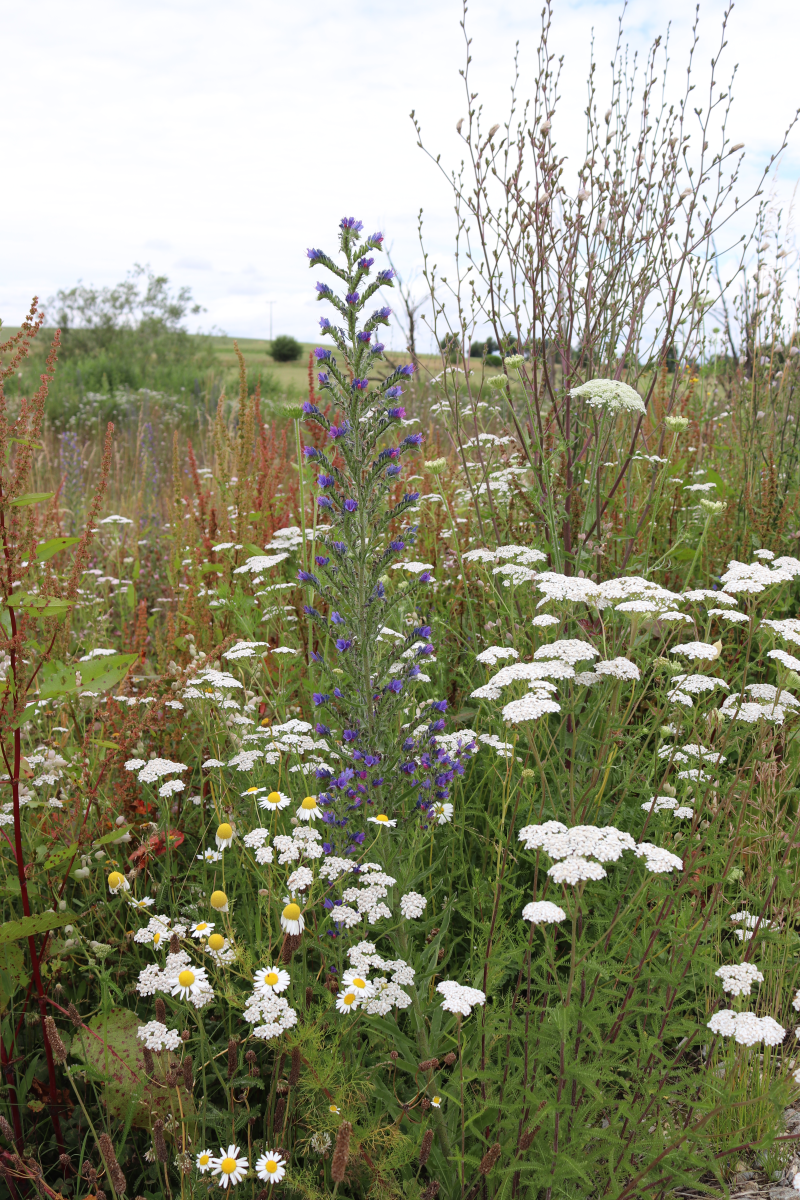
(400, 788)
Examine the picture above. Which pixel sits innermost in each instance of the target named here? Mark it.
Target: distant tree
(286, 349)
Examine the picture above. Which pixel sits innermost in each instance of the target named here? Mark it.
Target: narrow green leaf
(46, 550)
(30, 498)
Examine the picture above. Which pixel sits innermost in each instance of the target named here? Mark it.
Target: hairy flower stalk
(368, 670)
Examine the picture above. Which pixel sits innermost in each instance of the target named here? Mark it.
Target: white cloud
(218, 141)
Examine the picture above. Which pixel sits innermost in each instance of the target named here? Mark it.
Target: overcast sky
(216, 141)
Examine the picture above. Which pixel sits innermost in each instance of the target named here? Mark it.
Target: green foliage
(285, 349)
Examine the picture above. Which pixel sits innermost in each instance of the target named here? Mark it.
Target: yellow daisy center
(349, 998)
(201, 925)
(272, 1166)
(250, 791)
(224, 831)
(292, 912)
(309, 803)
(274, 798)
(359, 983)
(204, 1159)
(216, 941)
(115, 879)
(218, 899)
(228, 1165)
(156, 938)
(381, 817)
(186, 978)
(271, 978)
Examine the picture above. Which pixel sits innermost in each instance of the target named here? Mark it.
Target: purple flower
(395, 686)
(425, 577)
(352, 297)
(343, 644)
(351, 223)
(311, 452)
(389, 452)
(408, 744)
(350, 735)
(365, 264)
(436, 727)
(360, 385)
(321, 353)
(422, 631)
(410, 497)
(397, 546)
(384, 276)
(324, 323)
(392, 471)
(339, 547)
(407, 370)
(413, 439)
(320, 698)
(337, 431)
(379, 590)
(425, 650)
(350, 506)
(314, 255)
(371, 760)
(310, 611)
(309, 409)
(413, 672)
(307, 577)
(322, 378)
(324, 502)
(439, 705)
(323, 289)
(321, 560)
(364, 336)
(375, 239)
(396, 414)
(381, 315)
(317, 658)
(377, 782)
(336, 619)
(378, 348)
(393, 393)
(325, 480)
(338, 696)
(321, 729)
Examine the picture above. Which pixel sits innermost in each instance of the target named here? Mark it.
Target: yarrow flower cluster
(746, 1028)
(738, 978)
(581, 850)
(610, 394)
(458, 998)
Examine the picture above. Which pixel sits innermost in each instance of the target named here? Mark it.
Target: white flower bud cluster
(458, 998)
(412, 905)
(542, 912)
(738, 978)
(157, 1037)
(746, 1028)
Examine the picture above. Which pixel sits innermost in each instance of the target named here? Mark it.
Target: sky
(216, 142)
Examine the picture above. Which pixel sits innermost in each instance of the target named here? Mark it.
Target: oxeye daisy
(274, 801)
(382, 819)
(145, 902)
(309, 810)
(117, 882)
(346, 1002)
(252, 791)
(271, 1167)
(230, 1167)
(334, 1108)
(158, 938)
(219, 901)
(436, 1101)
(210, 855)
(292, 919)
(271, 979)
(216, 942)
(224, 836)
(202, 929)
(443, 813)
(203, 1161)
(189, 982)
(353, 982)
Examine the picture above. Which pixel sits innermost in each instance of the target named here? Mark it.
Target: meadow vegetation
(401, 763)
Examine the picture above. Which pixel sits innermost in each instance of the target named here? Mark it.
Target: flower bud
(676, 424)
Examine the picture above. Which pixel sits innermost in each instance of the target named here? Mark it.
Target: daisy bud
(54, 1038)
(489, 1159)
(425, 1148)
(341, 1152)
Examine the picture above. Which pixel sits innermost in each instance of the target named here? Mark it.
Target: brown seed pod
(54, 1038)
(233, 1057)
(110, 1159)
(489, 1159)
(161, 1010)
(188, 1078)
(290, 944)
(297, 1062)
(341, 1151)
(425, 1148)
(431, 1191)
(158, 1141)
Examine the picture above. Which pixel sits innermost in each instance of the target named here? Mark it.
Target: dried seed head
(294, 1073)
(149, 1063)
(489, 1159)
(74, 1015)
(54, 1038)
(110, 1158)
(429, 1064)
(99, 1194)
(250, 1056)
(450, 1059)
(393, 1055)
(174, 944)
(341, 1152)
(188, 1078)
(65, 1162)
(290, 944)
(185, 1035)
(309, 996)
(6, 1130)
(161, 1010)
(526, 1139)
(425, 1148)
(172, 1076)
(280, 1107)
(88, 1172)
(425, 1102)
(159, 1144)
(431, 1191)
(233, 1057)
